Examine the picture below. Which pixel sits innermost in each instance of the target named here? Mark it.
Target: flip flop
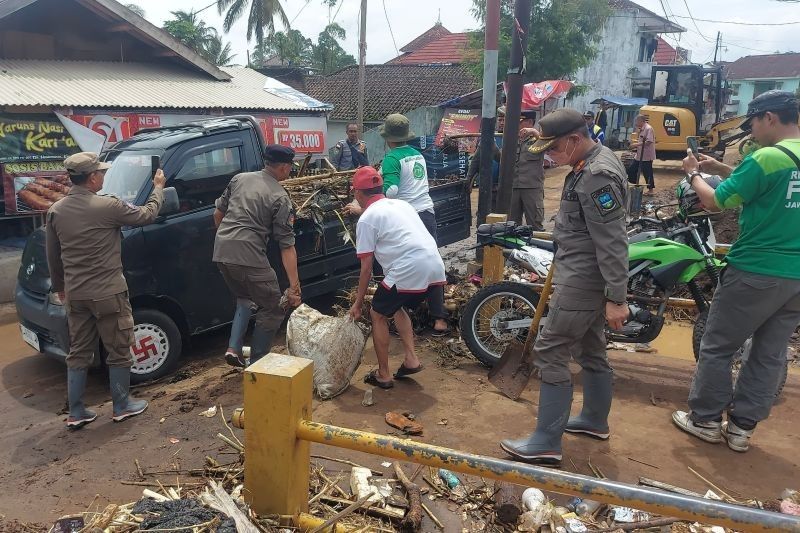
(404, 371)
(372, 379)
(441, 332)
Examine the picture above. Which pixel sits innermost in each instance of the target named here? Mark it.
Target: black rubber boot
(593, 420)
(79, 415)
(544, 445)
(125, 406)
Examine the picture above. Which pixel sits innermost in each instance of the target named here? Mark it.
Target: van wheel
(157, 345)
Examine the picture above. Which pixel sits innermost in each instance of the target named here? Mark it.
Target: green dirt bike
(659, 266)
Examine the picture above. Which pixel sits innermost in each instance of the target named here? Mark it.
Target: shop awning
(621, 101)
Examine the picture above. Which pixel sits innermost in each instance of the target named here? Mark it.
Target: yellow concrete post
(277, 395)
(493, 260)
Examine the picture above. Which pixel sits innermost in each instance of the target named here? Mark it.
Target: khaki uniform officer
(84, 256)
(591, 285)
(527, 189)
(253, 209)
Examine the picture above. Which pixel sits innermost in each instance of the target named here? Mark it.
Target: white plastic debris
(211, 412)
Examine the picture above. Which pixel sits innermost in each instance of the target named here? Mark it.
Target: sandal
(404, 371)
(372, 379)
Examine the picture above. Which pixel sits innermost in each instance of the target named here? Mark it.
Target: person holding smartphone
(645, 147)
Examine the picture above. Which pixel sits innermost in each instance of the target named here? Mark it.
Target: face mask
(561, 157)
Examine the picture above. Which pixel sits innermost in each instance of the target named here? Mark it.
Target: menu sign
(30, 139)
(33, 187)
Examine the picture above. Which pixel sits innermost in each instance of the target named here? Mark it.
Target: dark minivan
(175, 290)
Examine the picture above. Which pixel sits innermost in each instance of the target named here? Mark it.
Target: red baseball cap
(367, 178)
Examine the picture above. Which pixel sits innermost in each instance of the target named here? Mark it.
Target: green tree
(328, 55)
(136, 9)
(290, 48)
(194, 33)
(261, 16)
(563, 37)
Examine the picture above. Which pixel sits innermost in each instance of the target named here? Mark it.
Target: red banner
(534, 94)
(460, 122)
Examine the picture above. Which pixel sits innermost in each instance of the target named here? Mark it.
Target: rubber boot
(79, 415)
(544, 445)
(261, 343)
(593, 420)
(125, 406)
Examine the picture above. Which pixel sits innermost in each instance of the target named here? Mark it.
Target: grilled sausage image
(34, 201)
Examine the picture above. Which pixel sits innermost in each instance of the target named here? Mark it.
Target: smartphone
(155, 164)
(691, 142)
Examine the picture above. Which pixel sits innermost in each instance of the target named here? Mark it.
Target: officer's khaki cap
(557, 124)
(84, 163)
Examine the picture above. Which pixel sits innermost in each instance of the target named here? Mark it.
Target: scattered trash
(629, 516)
(587, 507)
(361, 487)
(368, 400)
(335, 344)
(68, 524)
(27, 394)
(386, 464)
(532, 498)
(403, 423)
(442, 422)
(211, 412)
(449, 478)
(173, 440)
(790, 507)
(162, 420)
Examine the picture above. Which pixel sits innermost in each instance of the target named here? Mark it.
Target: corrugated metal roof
(133, 85)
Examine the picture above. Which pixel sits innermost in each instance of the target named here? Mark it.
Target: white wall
(608, 74)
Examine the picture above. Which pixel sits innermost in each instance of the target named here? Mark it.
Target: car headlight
(55, 299)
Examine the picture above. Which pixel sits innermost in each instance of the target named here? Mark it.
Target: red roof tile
(435, 32)
(448, 49)
(765, 67)
(665, 53)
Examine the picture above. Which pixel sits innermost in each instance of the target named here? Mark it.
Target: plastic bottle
(449, 478)
(573, 503)
(586, 507)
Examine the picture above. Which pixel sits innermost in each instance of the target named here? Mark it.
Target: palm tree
(217, 53)
(190, 30)
(261, 16)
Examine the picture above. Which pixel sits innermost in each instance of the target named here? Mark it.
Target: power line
(298, 13)
(386, 13)
(204, 8)
(341, 3)
(694, 22)
(740, 23)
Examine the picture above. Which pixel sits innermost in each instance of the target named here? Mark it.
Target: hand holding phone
(691, 142)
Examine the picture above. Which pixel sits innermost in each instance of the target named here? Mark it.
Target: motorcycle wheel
(483, 312)
(739, 359)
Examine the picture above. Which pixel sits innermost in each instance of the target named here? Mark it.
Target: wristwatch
(692, 176)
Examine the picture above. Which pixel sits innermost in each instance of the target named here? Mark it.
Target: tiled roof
(665, 53)
(444, 50)
(32, 82)
(436, 31)
(390, 88)
(765, 67)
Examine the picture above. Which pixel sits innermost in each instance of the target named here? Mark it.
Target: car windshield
(129, 173)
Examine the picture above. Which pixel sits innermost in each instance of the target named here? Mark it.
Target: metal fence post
(277, 395)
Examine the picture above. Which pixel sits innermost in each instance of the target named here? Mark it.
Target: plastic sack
(335, 344)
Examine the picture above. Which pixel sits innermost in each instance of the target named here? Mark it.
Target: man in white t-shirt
(390, 232)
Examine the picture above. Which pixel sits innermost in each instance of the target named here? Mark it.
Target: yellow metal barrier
(277, 398)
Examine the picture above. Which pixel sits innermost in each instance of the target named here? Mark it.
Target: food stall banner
(460, 122)
(34, 138)
(33, 186)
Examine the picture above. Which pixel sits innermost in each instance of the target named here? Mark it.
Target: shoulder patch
(605, 200)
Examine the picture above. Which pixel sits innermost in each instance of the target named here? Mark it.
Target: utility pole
(716, 47)
(489, 108)
(362, 65)
(516, 68)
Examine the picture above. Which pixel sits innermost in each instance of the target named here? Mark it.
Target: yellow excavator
(688, 101)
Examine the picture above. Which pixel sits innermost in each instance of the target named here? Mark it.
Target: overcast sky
(409, 18)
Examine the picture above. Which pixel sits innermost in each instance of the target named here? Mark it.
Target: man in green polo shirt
(759, 294)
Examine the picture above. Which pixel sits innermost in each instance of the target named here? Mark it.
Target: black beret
(276, 153)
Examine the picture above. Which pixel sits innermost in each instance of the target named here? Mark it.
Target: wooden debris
(338, 516)
(432, 516)
(413, 518)
(666, 486)
(508, 502)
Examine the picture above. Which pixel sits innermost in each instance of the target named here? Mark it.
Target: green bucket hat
(395, 128)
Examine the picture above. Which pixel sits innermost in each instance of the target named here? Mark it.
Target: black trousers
(435, 292)
(647, 170)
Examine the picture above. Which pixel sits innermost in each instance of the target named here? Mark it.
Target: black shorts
(387, 302)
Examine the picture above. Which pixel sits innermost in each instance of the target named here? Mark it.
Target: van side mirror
(171, 202)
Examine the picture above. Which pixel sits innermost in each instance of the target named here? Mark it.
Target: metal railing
(277, 394)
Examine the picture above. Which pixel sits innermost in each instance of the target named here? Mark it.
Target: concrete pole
(516, 68)
(362, 65)
(489, 108)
